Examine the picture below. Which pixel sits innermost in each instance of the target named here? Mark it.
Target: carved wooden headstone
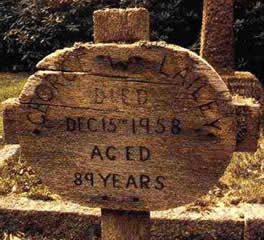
(142, 126)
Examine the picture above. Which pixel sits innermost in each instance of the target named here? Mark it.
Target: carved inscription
(250, 87)
(133, 126)
(124, 95)
(135, 64)
(144, 182)
(44, 94)
(142, 125)
(190, 87)
(129, 153)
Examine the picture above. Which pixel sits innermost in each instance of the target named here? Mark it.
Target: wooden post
(217, 37)
(217, 47)
(127, 26)
(125, 225)
(118, 25)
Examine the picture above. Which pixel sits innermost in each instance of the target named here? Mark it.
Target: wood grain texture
(244, 84)
(217, 36)
(248, 127)
(144, 126)
(121, 25)
(11, 109)
(125, 225)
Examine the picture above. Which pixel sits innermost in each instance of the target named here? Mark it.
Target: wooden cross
(115, 126)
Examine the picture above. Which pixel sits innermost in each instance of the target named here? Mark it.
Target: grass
(11, 85)
(17, 177)
(242, 182)
(245, 177)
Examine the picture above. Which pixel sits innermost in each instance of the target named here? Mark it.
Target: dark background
(31, 29)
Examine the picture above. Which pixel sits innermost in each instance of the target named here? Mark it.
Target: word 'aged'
(129, 153)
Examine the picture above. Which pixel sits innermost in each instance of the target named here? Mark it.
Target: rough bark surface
(121, 25)
(244, 84)
(217, 36)
(217, 47)
(248, 122)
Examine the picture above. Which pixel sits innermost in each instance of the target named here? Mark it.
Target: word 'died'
(92, 179)
(124, 95)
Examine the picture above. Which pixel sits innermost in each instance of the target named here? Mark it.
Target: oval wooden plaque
(144, 126)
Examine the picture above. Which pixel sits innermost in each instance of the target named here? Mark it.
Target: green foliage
(176, 21)
(33, 36)
(8, 16)
(249, 32)
(29, 35)
(173, 21)
(11, 85)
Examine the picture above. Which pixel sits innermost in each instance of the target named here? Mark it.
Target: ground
(242, 182)
(11, 85)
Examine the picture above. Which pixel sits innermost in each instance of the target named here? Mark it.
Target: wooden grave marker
(134, 126)
(218, 48)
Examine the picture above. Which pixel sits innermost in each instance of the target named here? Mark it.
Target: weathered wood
(248, 127)
(125, 225)
(244, 84)
(217, 47)
(217, 36)
(115, 126)
(10, 112)
(145, 126)
(121, 25)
